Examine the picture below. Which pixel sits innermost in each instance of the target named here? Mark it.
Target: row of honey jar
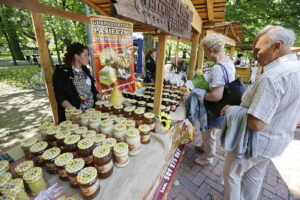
(14, 188)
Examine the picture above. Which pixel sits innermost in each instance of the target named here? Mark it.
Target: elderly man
(273, 111)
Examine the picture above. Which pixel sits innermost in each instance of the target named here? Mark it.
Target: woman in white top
(214, 51)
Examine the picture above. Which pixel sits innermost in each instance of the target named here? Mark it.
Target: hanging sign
(113, 54)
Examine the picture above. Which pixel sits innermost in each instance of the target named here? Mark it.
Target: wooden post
(177, 49)
(37, 20)
(232, 51)
(200, 59)
(195, 44)
(160, 68)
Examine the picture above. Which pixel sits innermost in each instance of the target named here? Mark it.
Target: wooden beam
(200, 60)
(37, 20)
(176, 52)
(195, 44)
(232, 51)
(237, 38)
(160, 69)
(45, 9)
(295, 50)
(96, 7)
(210, 10)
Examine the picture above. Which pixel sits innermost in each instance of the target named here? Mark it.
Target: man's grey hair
(278, 33)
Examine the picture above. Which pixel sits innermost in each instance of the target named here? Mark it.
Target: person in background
(74, 86)
(239, 59)
(214, 51)
(150, 66)
(273, 111)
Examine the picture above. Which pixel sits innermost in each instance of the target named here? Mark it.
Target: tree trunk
(147, 43)
(56, 45)
(170, 50)
(14, 41)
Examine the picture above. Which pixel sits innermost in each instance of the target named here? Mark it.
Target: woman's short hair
(215, 41)
(72, 50)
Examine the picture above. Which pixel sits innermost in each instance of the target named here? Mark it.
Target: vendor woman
(73, 83)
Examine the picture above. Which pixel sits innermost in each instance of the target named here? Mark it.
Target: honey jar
(85, 150)
(94, 124)
(119, 132)
(75, 116)
(150, 107)
(173, 105)
(106, 127)
(166, 102)
(133, 139)
(5, 178)
(108, 108)
(103, 161)
(49, 157)
(84, 119)
(81, 130)
(61, 161)
(4, 166)
(118, 110)
(99, 105)
(65, 124)
(110, 142)
(150, 120)
(71, 144)
(60, 138)
(144, 133)
(104, 116)
(89, 134)
(35, 180)
(128, 112)
(15, 186)
(37, 150)
(72, 169)
(139, 116)
(24, 166)
(88, 182)
(68, 112)
(26, 144)
(121, 154)
(121, 120)
(98, 139)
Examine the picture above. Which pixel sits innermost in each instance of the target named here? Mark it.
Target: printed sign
(113, 54)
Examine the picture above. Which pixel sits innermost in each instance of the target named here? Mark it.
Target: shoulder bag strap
(225, 73)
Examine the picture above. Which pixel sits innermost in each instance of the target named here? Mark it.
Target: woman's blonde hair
(215, 41)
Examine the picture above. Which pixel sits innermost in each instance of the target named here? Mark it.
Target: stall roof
(210, 10)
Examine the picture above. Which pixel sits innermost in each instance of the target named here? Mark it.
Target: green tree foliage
(256, 14)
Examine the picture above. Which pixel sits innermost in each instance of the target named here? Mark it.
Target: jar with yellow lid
(131, 95)
(152, 98)
(166, 102)
(89, 134)
(61, 161)
(118, 110)
(60, 138)
(121, 154)
(139, 116)
(23, 167)
(85, 150)
(108, 108)
(50, 135)
(141, 104)
(81, 130)
(26, 144)
(84, 119)
(72, 169)
(121, 120)
(99, 105)
(110, 142)
(139, 97)
(173, 105)
(11, 196)
(103, 161)
(94, 124)
(162, 108)
(75, 116)
(144, 133)
(147, 98)
(119, 132)
(148, 93)
(5, 178)
(45, 126)
(37, 150)
(113, 118)
(128, 112)
(15, 186)
(65, 124)
(150, 120)
(125, 94)
(90, 110)
(165, 95)
(73, 128)
(4, 166)
(35, 180)
(133, 139)
(149, 107)
(104, 116)
(71, 144)
(49, 157)
(130, 123)
(98, 139)
(133, 102)
(68, 112)
(88, 182)
(106, 127)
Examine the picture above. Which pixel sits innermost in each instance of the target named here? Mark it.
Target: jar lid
(119, 106)
(81, 130)
(99, 138)
(129, 109)
(142, 102)
(121, 120)
(5, 178)
(63, 134)
(132, 132)
(147, 96)
(166, 99)
(150, 105)
(112, 117)
(163, 107)
(130, 122)
(90, 110)
(63, 159)
(108, 105)
(99, 103)
(144, 128)
(85, 116)
(74, 126)
(75, 165)
(104, 115)
(46, 125)
(139, 111)
(66, 123)
(110, 142)
(85, 143)
(121, 147)
(32, 174)
(106, 123)
(119, 127)
(149, 115)
(95, 119)
(13, 186)
(134, 101)
(89, 134)
(24, 166)
(11, 196)
(51, 153)
(52, 131)
(38, 147)
(173, 101)
(29, 142)
(174, 95)
(165, 93)
(76, 112)
(72, 139)
(4, 165)
(87, 175)
(70, 109)
(101, 151)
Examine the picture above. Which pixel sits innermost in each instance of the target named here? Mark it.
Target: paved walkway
(282, 180)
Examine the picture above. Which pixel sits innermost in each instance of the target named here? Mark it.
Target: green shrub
(18, 76)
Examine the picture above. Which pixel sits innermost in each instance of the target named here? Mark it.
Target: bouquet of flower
(164, 123)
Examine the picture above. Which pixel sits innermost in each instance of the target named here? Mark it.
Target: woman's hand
(224, 109)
